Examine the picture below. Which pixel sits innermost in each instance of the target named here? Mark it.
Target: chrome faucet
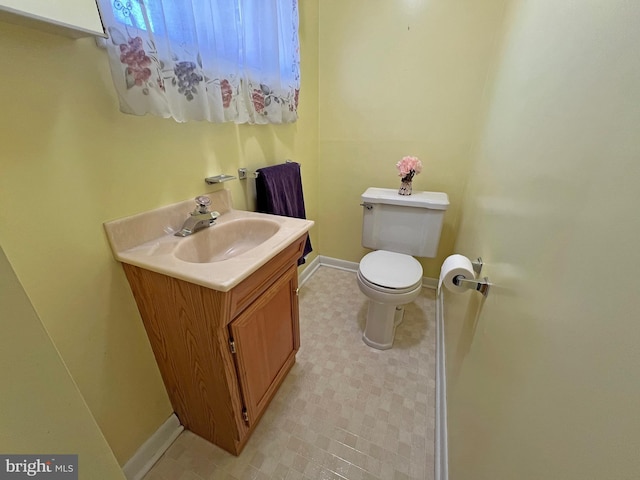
(200, 218)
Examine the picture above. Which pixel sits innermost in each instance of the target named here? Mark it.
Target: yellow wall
(70, 161)
(398, 78)
(543, 383)
(42, 411)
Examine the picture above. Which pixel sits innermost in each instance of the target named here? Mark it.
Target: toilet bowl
(390, 280)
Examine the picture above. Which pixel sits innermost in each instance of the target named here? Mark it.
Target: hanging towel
(279, 192)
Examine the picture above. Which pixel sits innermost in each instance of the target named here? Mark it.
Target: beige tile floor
(345, 411)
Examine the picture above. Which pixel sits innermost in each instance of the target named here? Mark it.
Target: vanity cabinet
(222, 355)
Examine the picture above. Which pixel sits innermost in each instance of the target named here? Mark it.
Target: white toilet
(396, 227)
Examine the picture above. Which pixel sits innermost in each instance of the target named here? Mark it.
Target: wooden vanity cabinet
(222, 355)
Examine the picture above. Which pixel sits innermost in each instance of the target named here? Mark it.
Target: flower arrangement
(407, 168)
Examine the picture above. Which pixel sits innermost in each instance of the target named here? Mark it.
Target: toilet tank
(408, 224)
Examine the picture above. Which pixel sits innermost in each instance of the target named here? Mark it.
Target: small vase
(405, 187)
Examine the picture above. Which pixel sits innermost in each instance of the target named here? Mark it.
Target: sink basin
(218, 257)
(225, 241)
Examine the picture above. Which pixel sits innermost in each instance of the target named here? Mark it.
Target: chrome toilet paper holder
(477, 265)
(481, 286)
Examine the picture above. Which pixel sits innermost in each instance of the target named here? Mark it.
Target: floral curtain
(214, 60)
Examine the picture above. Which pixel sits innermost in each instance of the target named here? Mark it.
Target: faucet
(200, 218)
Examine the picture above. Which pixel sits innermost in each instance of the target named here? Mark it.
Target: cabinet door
(266, 338)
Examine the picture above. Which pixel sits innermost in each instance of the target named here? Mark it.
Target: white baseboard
(308, 271)
(339, 264)
(428, 282)
(151, 450)
(441, 450)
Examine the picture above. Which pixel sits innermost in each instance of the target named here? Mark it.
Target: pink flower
(409, 166)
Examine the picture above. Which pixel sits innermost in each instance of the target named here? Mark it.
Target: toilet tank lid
(433, 200)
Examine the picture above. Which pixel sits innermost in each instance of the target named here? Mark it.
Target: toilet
(397, 228)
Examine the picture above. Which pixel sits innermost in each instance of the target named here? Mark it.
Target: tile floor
(345, 411)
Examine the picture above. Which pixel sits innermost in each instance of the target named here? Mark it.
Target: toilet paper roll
(453, 266)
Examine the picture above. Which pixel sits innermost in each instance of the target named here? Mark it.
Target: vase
(405, 187)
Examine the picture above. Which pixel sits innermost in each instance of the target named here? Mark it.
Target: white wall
(543, 383)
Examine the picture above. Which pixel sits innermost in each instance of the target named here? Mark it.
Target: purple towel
(279, 192)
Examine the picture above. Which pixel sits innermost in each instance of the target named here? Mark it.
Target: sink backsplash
(128, 232)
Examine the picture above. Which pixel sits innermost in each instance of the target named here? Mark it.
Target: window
(243, 52)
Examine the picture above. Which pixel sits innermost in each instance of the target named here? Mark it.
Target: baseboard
(308, 271)
(427, 282)
(151, 450)
(441, 447)
(337, 263)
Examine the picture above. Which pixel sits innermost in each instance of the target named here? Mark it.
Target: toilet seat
(390, 272)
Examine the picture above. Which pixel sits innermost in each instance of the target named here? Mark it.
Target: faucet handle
(203, 202)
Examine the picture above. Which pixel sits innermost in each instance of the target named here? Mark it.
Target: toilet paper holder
(481, 286)
(477, 265)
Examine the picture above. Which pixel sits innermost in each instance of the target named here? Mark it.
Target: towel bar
(256, 174)
(218, 179)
